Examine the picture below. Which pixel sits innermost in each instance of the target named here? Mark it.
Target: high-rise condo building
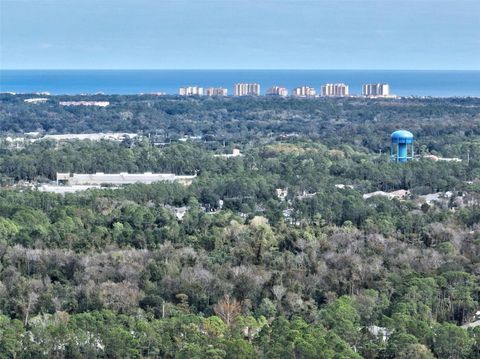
(216, 91)
(303, 91)
(246, 89)
(191, 91)
(334, 90)
(277, 91)
(376, 90)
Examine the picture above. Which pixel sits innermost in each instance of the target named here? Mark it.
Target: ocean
(402, 82)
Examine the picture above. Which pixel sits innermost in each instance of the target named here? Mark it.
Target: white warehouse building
(116, 179)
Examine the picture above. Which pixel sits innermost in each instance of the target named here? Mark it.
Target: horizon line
(229, 69)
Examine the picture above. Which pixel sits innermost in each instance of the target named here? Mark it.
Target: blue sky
(247, 34)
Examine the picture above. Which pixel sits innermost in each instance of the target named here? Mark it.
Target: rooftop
(100, 178)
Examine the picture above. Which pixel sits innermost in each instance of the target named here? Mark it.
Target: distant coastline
(430, 83)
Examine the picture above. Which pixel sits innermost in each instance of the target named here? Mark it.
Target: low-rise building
(115, 136)
(437, 197)
(36, 100)
(343, 186)
(179, 212)
(445, 159)
(115, 179)
(399, 194)
(235, 153)
(85, 103)
(66, 189)
(281, 193)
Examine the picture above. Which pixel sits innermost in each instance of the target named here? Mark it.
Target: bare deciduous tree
(279, 291)
(228, 309)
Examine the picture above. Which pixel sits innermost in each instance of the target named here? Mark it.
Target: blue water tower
(401, 149)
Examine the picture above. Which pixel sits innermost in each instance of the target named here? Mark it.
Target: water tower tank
(401, 149)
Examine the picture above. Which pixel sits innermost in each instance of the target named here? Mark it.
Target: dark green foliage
(322, 273)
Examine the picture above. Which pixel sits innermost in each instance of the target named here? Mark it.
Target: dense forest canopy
(322, 272)
(364, 123)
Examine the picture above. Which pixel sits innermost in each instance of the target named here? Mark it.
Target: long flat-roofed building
(84, 103)
(115, 179)
(36, 100)
(246, 89)
(376, 90)
(115, 136)
(334, 90)
(303, 91)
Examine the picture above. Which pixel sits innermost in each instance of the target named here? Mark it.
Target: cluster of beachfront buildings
(253, 89)
(200, 91)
